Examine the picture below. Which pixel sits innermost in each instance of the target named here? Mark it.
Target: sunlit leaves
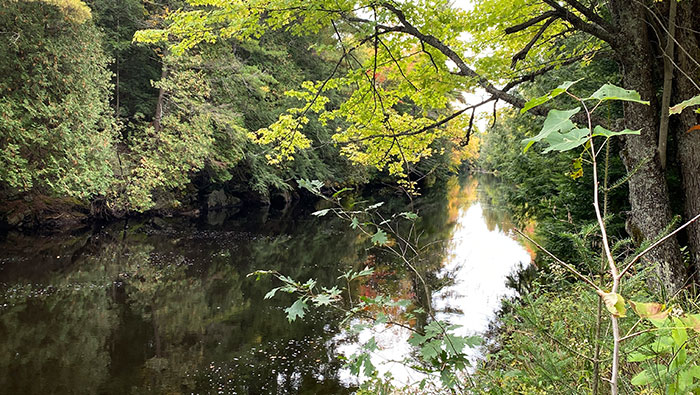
(614, 302)
(652, 311)
(380, 238)
(313, 186)
(296, 310)
(549, 96)
(395, 85)
(74, 10)
(320, 213)
(613, 92)
(557, 122)
(678, 108)
(601, 131)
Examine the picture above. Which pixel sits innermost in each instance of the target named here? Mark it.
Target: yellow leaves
(74, 10)
(652, 311)
(614, 302)
(283, 137)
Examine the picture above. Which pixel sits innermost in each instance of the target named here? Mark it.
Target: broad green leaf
(601, 131)
(369, 366)
(679, 334)
(691, 321)
(549, 96)
(663, 344)
(321, 213)
(639, 357)
(380, 238)
(654, 311)
(557, 121)
(695, 371)
(615, 303)
(642, 378)
(296, 310)
(613, 92)
(417, 339)
(567, 141)
(678, 108)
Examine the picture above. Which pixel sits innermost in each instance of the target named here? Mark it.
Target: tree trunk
(648, 192)
(161, 98)
(668, 82)
(688, 140)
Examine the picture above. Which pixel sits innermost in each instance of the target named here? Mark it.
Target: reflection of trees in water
(169, 308)
(53, 342)
(173, 311)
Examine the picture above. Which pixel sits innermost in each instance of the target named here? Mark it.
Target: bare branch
(651, 247)
(559, 261)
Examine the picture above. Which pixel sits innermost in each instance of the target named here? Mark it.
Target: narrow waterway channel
(165, 306)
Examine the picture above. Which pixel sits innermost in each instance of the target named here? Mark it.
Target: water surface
(165, 306)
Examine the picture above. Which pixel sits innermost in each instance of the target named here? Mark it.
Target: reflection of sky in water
(477, 261)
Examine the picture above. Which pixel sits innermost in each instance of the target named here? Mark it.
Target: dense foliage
(217, 100)
(56, 131)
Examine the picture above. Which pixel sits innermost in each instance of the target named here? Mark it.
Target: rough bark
(648, 192)
(668, 82)
(688, 140)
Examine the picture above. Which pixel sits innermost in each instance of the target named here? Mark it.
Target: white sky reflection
(478, 261)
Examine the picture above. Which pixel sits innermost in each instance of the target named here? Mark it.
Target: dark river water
(165, 306)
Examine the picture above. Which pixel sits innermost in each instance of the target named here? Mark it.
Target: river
(166, 306)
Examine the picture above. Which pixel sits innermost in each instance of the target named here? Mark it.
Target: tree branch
(523, 52)
(591, 28)
(533, 21)
(591, 15)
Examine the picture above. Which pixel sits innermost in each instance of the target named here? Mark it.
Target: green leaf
(639, 357)
(313, 186)
(691, 321)
(272, 293)
(653, 311)
(567, 141)
(380, 238)
(642, 378)
(355, 223)
(409, 215)
(615, 303)
(322, 300)
(431, 350)
(321, 213)
(549, 96)
(335, 195)
(371, 345)
(557, 121)
(613, 92)
(678, 108)
(601, 131)
(296, 310)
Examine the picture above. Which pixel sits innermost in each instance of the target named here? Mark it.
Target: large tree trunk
(689, 140)
(648, 192)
